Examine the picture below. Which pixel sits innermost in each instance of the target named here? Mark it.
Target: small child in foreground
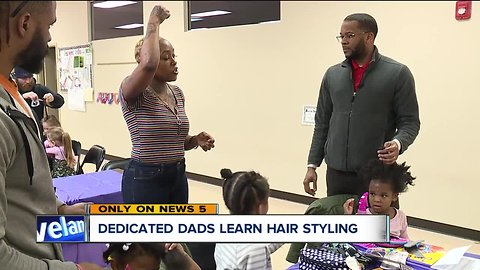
(385, 183)
(245, 193)
(148, 256)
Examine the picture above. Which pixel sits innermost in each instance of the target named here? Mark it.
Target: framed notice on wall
(75, 74)
(308, 116)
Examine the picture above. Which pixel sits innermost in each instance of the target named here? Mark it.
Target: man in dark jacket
(36, 95)
(367, 108)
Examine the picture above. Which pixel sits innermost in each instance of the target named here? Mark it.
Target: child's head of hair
(49, 122)
(245, 192)
(143, 256)
(136, 255)
(61, 138)
(397, 175)
(55, 135)
(385, 182)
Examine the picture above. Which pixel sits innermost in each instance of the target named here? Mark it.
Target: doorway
(48, 76)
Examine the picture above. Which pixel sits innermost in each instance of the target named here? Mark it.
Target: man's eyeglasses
(348, 36)
(19, 7)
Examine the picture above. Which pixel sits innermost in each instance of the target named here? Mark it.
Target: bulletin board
(75, 75)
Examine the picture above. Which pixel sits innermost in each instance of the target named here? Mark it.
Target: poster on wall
(76, 99)
(308, 116)
(75, 73)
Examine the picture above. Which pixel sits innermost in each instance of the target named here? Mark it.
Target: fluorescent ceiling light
(211, 13)
(129, 26)
(268, 22)
(113, 4)
(196, 19)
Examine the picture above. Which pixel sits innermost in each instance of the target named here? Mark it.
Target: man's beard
(26, 87)
(31, 59)
(358, 52)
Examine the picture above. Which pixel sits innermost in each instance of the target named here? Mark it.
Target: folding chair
(95, 155)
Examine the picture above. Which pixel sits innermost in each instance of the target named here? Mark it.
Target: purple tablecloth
(99, 187)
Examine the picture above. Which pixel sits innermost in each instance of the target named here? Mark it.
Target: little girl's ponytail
(68, 150)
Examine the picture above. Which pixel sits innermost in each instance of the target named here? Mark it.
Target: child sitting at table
(49, 122)
(245, 193)
(59, 146)
(385, 183)
(147, 256)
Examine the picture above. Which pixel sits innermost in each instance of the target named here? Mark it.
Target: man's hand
(191, 264)
(75, 209)
(348, 206)
(389, 153)
(89, 266)
(310, 177)
(48, 98)
(30, 95)
(172, 246)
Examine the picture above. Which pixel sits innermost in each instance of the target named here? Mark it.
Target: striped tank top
(157, 135)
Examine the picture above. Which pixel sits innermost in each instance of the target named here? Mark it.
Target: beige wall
(247, 85)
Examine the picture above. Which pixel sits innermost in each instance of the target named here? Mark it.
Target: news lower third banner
(201, 223)
(153, 209)
(238, 229)
(61, 229)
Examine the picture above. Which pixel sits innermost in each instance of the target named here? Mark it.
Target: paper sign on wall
(75, 73)
(308, 117)
(76, 99)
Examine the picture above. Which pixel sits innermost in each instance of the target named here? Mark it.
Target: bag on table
(331, 256)
(321, 259)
